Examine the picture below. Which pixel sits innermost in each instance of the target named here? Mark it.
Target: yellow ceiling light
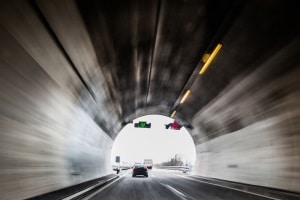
(173, 113)
(185, 96)
(205, 57)
(210, 59)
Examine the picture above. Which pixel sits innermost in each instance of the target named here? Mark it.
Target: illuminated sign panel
(175, 125)
(142, 124)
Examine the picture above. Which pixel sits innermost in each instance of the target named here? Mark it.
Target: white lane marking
(109, 184)
(260, 195)
(174, 190)
(152, 175)
(79, 193)
(86, 190)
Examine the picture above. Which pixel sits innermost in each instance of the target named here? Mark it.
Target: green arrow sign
(142, 124)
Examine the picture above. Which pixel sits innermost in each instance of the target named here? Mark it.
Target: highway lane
(162, 185)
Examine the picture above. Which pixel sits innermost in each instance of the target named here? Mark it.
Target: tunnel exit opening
(152, 137)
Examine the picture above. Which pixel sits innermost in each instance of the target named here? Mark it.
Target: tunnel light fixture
(185, 96)
(205, 57)
(173, 113)
(210, 58)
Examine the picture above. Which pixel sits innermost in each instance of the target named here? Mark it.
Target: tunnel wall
(49, 139)
(254, 131)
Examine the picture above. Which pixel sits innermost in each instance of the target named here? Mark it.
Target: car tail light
(145, 168)
(134, 169)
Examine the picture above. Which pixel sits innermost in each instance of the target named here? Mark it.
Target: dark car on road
(139, 169)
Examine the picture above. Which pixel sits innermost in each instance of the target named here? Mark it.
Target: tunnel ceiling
(153, 49)
(150, 52)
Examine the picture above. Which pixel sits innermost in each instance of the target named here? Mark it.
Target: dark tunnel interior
(73, 73)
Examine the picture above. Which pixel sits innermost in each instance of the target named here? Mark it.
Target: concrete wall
(254, 131)
(49, 121)
(48, 141)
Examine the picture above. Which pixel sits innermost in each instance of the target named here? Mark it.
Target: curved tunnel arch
(56, 133)
(154, 142)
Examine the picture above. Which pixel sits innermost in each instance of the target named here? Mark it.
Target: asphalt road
(162, 185)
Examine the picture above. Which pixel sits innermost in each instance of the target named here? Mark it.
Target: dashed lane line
(178, 193)
(106, 186)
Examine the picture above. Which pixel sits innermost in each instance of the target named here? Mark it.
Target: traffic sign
(175, 125)
(142, 124)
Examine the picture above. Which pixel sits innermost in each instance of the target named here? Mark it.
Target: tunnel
(74, 73)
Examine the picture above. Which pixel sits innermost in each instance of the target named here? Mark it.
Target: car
(139, 169)
(187, 170)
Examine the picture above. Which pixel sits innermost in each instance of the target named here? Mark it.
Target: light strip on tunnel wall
(173, 113)
(210, 59)
(185, 96)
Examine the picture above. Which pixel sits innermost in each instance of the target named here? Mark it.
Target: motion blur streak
(74, 72)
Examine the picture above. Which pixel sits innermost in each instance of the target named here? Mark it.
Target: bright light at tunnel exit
(157, 143)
